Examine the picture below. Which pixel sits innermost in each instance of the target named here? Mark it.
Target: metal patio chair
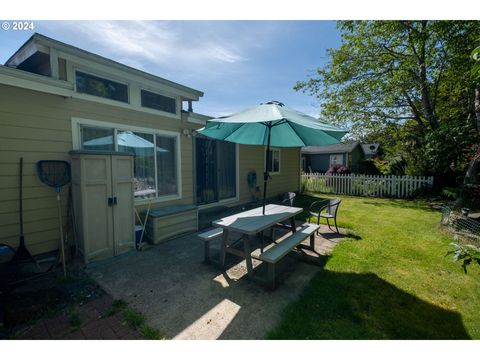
(288, 198)
(326, 209)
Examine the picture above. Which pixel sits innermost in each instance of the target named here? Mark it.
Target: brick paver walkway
(94, 325)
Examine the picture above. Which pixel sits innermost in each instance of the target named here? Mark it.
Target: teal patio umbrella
(272, 124)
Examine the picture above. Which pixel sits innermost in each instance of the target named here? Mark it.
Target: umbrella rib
(233, 132)
(304, 144)
(291, 127)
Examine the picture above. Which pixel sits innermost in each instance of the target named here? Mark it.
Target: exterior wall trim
(69, 52)
(26, 80)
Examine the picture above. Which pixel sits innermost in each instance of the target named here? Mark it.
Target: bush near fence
(366, 185)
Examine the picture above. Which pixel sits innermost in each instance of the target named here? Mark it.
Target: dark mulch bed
(45, 297)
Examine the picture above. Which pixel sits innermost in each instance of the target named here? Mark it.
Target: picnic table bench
(207, 237)
(252, 222)
(274, 252)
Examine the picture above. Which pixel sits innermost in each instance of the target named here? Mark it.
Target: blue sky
(236, 64)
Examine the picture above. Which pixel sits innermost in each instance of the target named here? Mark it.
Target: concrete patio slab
(188, 299)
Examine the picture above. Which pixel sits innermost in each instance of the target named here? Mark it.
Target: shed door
(97, 215)
(123, 210)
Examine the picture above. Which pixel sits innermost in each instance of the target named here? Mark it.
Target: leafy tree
(473, 168)
(408, 84)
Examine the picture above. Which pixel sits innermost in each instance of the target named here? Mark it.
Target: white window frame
(162, 93)
(273, 149)
(106, 77)
(134, 94)
(77, 145)
(336, 163)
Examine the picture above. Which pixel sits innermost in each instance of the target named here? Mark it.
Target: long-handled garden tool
(21, 253)
(15, 264)
(56, 173)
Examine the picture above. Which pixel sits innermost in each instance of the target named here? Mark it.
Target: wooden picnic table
(249, 223)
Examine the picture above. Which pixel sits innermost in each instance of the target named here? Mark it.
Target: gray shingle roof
(330, 149)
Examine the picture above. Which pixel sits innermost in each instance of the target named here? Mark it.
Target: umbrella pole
(265, 174)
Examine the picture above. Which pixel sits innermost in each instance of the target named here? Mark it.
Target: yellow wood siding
(38, 126)
(252, 158)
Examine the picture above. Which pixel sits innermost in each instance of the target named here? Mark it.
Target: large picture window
(155, 157)
(98, 86)
(96, 138)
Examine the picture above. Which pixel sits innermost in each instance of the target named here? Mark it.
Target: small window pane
(166, 165)
(158, 102)
(336, 159)
(142, 146)
(276, 161)
(97, 86)
(96, 138)
(273, 165)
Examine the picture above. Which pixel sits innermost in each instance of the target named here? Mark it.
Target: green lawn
(390, 279)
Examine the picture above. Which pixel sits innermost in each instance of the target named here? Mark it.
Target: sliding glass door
(215, 170)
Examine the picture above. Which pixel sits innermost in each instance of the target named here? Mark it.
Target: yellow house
(55, 98)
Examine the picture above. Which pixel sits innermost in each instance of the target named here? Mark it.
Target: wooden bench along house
(59, 102)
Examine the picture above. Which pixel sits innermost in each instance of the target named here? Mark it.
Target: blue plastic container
(138, 234)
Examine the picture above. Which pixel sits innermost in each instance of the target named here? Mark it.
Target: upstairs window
(97, 86)
(159, 102)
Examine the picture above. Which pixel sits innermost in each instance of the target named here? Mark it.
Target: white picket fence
(365, 185)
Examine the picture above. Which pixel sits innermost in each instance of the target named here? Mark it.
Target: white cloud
(233, 62)
(162, 42)
(183, 51)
